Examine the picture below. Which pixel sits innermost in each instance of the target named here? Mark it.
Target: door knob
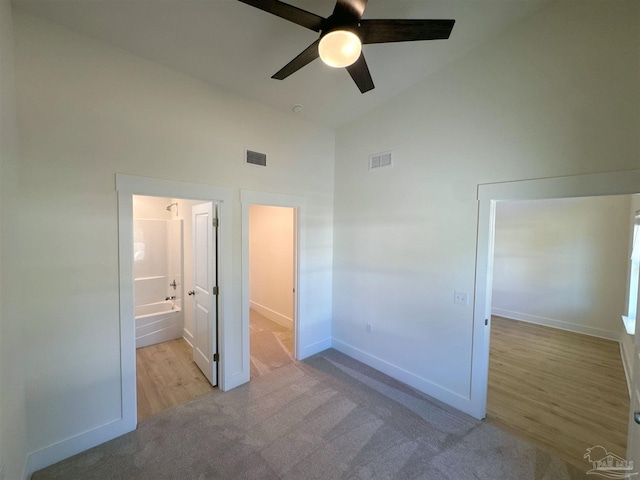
(636, 416)
(192, 292)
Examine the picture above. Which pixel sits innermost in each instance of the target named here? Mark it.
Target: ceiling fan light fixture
(340, 48)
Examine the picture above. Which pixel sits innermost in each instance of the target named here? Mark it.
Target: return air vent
(380, 160)
(256, 158)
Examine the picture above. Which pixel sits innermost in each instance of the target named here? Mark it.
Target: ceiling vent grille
(256, 158)
(381, 160)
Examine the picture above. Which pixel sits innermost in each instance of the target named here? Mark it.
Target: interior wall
(563, 263)
(538, 101)
(271, 258)
(13, 420)
(87, 111)
(153, 208)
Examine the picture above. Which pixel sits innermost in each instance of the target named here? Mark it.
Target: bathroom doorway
(170, 330)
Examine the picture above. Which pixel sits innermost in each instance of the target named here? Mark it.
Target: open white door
(205, 351)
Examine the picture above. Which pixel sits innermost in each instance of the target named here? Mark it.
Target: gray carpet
(329, 417)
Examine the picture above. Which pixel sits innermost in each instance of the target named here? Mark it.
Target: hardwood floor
(166, 377)
(563, 391)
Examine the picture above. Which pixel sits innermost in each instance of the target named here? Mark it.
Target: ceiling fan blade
(359, 71)
(289, 12)
(385, 31)
(349, 10)
(307, 56)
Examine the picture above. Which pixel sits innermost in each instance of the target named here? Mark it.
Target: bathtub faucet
(171, 298)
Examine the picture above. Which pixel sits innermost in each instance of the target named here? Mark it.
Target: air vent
(256, 158)
(380, 160)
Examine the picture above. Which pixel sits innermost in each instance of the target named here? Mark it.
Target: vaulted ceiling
(238, 47)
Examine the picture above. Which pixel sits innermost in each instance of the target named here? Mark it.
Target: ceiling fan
(344, 32)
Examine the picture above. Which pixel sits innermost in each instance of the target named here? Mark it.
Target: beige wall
(541, 100)
(563, 263)
(13, 419)
(271, 257)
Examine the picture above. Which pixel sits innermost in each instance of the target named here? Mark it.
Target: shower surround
(158, 260)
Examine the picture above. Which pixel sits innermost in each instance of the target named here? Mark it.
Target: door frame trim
(127, 186)
(298, 204)
(590, 185)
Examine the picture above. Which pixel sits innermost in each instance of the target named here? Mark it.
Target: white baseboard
(272, 314)
(560, 324)
(314, 348)
(188, 336)
(419, 383)
(71, 446)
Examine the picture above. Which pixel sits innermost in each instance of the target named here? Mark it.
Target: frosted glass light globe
(340, 48)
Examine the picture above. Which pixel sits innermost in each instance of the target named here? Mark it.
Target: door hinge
(216, 290)
(486, 321)
(216, 357)
(216, 222)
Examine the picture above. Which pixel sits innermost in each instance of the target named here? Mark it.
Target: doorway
(174, 249)
(295, 210)
(127, 187)
(617, 183)
(560, 275)
(272, 279)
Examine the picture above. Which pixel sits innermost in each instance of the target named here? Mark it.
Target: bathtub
(158, 322)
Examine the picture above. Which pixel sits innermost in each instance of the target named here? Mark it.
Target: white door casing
(590, 185)
(204, 299)
(633, 435)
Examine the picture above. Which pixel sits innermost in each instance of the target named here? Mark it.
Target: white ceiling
(239, 47)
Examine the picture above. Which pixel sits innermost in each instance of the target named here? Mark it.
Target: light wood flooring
(166, 377)
(562, 391)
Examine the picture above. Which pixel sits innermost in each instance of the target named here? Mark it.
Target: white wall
(538, 101)
(13, 421)
(563, 263)
(152, 208)
(87, 111)
(271, 262)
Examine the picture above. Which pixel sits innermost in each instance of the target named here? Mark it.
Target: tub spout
(173, 297)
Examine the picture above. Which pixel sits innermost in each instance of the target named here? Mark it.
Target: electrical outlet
(368, 328)
(461, 298)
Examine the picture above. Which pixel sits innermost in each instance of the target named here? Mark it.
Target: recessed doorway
(227, 366)
(174, 267)
(272, 273)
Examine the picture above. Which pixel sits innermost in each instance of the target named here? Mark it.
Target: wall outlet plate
(460, 298)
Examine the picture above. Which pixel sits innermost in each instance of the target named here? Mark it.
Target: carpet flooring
(328, 417)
